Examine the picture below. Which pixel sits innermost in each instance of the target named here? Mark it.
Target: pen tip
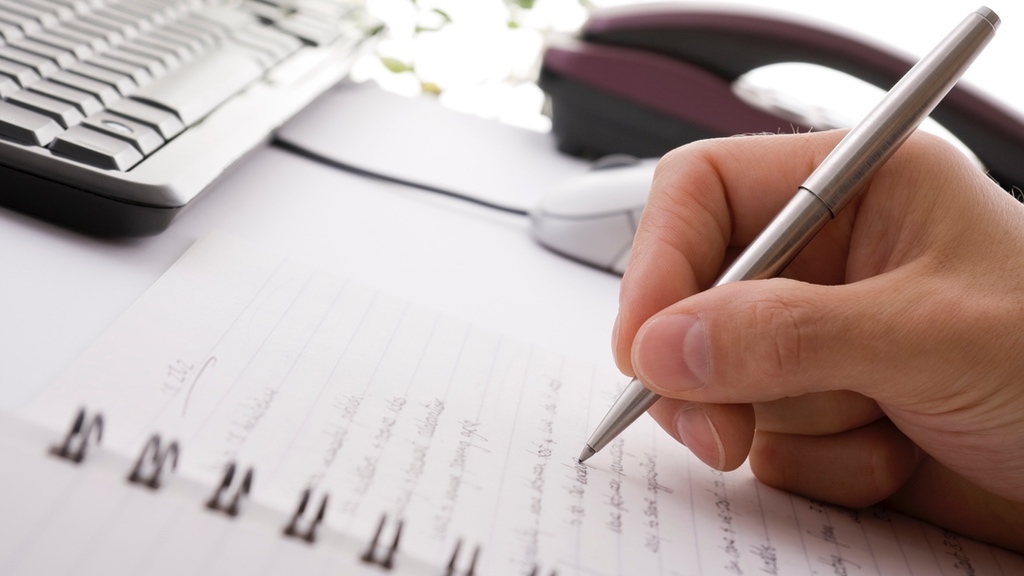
(587, 453)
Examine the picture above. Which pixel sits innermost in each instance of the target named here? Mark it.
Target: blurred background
(482, 56)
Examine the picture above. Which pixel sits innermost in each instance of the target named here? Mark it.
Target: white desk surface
(59, 290)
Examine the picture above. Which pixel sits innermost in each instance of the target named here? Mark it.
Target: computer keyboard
(116, 114)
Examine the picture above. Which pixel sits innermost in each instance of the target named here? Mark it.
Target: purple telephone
(644, 79)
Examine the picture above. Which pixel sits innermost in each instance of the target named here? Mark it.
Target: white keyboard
(116, 114)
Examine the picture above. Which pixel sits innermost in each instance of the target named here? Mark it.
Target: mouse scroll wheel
(614, 161)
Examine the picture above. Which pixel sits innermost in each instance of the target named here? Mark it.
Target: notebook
(261, 416)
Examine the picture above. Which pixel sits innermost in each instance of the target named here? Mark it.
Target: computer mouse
(592, 217)
(646, 78)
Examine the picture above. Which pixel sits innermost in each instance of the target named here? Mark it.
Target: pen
(833, 184)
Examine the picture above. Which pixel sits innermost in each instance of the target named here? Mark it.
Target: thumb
(764, 340)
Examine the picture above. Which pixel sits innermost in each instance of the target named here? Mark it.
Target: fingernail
(615, 334)
(671, 353)
(695, 431)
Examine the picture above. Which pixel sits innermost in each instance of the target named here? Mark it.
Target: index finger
(706, 198)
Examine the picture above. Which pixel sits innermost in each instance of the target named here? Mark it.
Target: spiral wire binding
(156, 461)
(77, 440)
(387, 561)
(309, 534)
(452, 570)
(232, 506)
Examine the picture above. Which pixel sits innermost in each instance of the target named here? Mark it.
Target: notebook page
(466, 437)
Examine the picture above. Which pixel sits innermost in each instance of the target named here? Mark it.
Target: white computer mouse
(592, 217)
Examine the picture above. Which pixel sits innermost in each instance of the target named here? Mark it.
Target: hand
(885, 365)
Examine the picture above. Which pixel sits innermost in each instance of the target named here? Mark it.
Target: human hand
(884, 365)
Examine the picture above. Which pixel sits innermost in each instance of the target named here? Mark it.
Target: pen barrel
(868, 145)
(900, 112)
(781, 241)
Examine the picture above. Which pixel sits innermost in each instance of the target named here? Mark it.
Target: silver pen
(833, 184)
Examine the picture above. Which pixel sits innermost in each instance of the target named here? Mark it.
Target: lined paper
(466, 437)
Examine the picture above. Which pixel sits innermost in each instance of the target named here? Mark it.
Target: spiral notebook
(253, 415)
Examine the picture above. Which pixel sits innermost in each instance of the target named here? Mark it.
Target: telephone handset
(644, 79)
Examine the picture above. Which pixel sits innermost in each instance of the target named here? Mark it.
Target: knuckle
(887, 464)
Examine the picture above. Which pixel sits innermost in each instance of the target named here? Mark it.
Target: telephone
(647, 78)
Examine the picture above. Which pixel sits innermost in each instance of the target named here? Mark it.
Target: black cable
(363, 172)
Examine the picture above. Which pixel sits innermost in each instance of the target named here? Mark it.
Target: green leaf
(444, 15)
(395, 65)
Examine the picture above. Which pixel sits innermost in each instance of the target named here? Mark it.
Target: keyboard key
(138, 74)
(88, 26)
(42, 66)
(22, 74)
(79, 49)
(121, 30)
(181, 52)
(77, 6)
(201, 38)
(86, 103)
(165, 123)
(26, 24)
(60, 11)
(123, 83)
(192, 45)
(266, 12)
(160, 12)
(94, 42)
(151, 65)
(198, 87)
(25, 126)
(227, 19)
(150, 14)
(65, 114)
(213, 30)
(144, 138)
(166, 57)
(44, 17)
(309, 30)
(129, 24)
(90, 147)
(62, 57)
(104, 92)
(10, 32)
(8, 86)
